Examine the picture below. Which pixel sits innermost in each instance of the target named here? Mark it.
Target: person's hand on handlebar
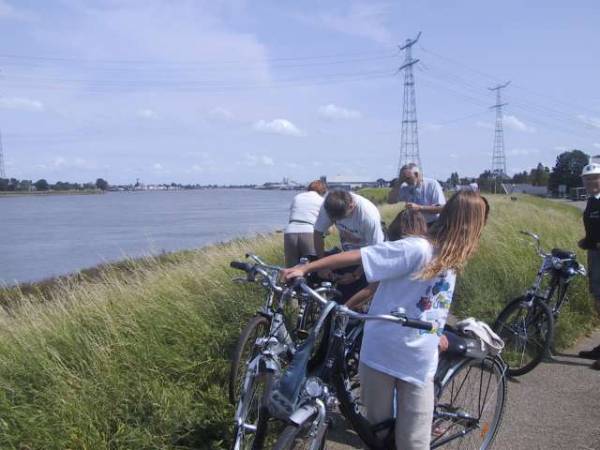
(293, 272)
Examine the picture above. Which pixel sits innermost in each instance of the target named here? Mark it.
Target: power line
(202, 63)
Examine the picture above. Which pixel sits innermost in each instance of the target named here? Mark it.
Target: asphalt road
(556, 406)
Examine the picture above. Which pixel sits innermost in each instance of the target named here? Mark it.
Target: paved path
(556, 406)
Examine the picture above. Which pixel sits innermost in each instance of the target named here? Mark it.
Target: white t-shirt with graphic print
(405, 353)
(362, 227)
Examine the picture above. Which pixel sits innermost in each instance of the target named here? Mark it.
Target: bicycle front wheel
(301, 438)
(251, 419)
(245, 350)
(470, 406)
(527, 329)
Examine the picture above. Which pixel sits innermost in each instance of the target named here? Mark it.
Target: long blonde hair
(455, 236)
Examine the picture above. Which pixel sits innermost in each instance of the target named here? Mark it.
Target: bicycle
(265, 347)
(305, 397)
(260, 324)
(526, 324)
(469, 389)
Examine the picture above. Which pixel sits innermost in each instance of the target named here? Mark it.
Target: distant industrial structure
(498, 154)
(409, 139)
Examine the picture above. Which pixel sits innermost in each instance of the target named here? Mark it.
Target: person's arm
(319, 243)
(362, 296)
(321, 227)
(337, 261)
(432, 209)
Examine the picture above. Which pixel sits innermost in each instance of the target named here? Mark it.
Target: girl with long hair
(417, 273)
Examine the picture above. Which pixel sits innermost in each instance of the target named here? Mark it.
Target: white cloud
(62, 163)
(596, 144)
(432, 127)
(363, 19)
(517, 124)
(593, 122)
(333, 112)
(253, 160)
(147, 114)
(22, 104)
(510, 122)
(561, 148)
(523, 151)
(220, 113)
(278, 126)
(486, 125)
(157, 166)
(453, 155)
(7, 11)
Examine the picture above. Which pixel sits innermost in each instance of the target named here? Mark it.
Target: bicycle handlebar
(258, 268)
(394, 316)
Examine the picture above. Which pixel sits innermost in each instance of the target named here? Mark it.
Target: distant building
(530, 189)
(351, 182)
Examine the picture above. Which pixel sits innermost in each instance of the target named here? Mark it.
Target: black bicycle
(470, 395)
(470, 386)
(526, 324)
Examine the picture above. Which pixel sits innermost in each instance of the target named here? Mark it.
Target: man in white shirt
(422, 194)
(359, 224)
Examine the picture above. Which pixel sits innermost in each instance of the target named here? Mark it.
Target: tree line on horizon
(42, 185)
(566, 171)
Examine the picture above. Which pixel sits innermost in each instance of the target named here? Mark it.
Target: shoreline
(49, 193)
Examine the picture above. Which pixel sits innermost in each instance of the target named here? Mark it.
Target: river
(45, 236)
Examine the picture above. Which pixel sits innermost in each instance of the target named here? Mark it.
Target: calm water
(46, 236)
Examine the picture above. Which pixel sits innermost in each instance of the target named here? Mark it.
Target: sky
(235, 92)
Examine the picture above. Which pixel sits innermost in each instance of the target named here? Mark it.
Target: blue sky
(245, 92)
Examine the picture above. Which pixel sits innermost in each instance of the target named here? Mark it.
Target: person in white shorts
(298, 235)
(397, 364)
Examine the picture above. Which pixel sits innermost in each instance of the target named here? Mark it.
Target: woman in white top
(298, 235)
(417, 273)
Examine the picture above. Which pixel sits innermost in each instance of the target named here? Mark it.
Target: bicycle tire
(295, 437)
(245, 343)
(454, 398)
(262, 420)
(514, 332)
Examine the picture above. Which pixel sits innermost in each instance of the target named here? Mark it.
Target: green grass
(136, 356)
(376, 195)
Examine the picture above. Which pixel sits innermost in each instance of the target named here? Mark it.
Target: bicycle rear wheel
(527, 329)
(300, 438)
(470, 406)
(245, 350)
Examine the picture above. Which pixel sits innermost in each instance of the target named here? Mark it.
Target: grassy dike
(138, 358)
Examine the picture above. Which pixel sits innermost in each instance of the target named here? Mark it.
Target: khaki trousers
(297, 245)
(413, 405)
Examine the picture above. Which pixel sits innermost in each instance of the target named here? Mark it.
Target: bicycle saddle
(563, 254)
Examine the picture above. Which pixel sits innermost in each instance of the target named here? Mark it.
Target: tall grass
(376, 195)
(138, 359)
